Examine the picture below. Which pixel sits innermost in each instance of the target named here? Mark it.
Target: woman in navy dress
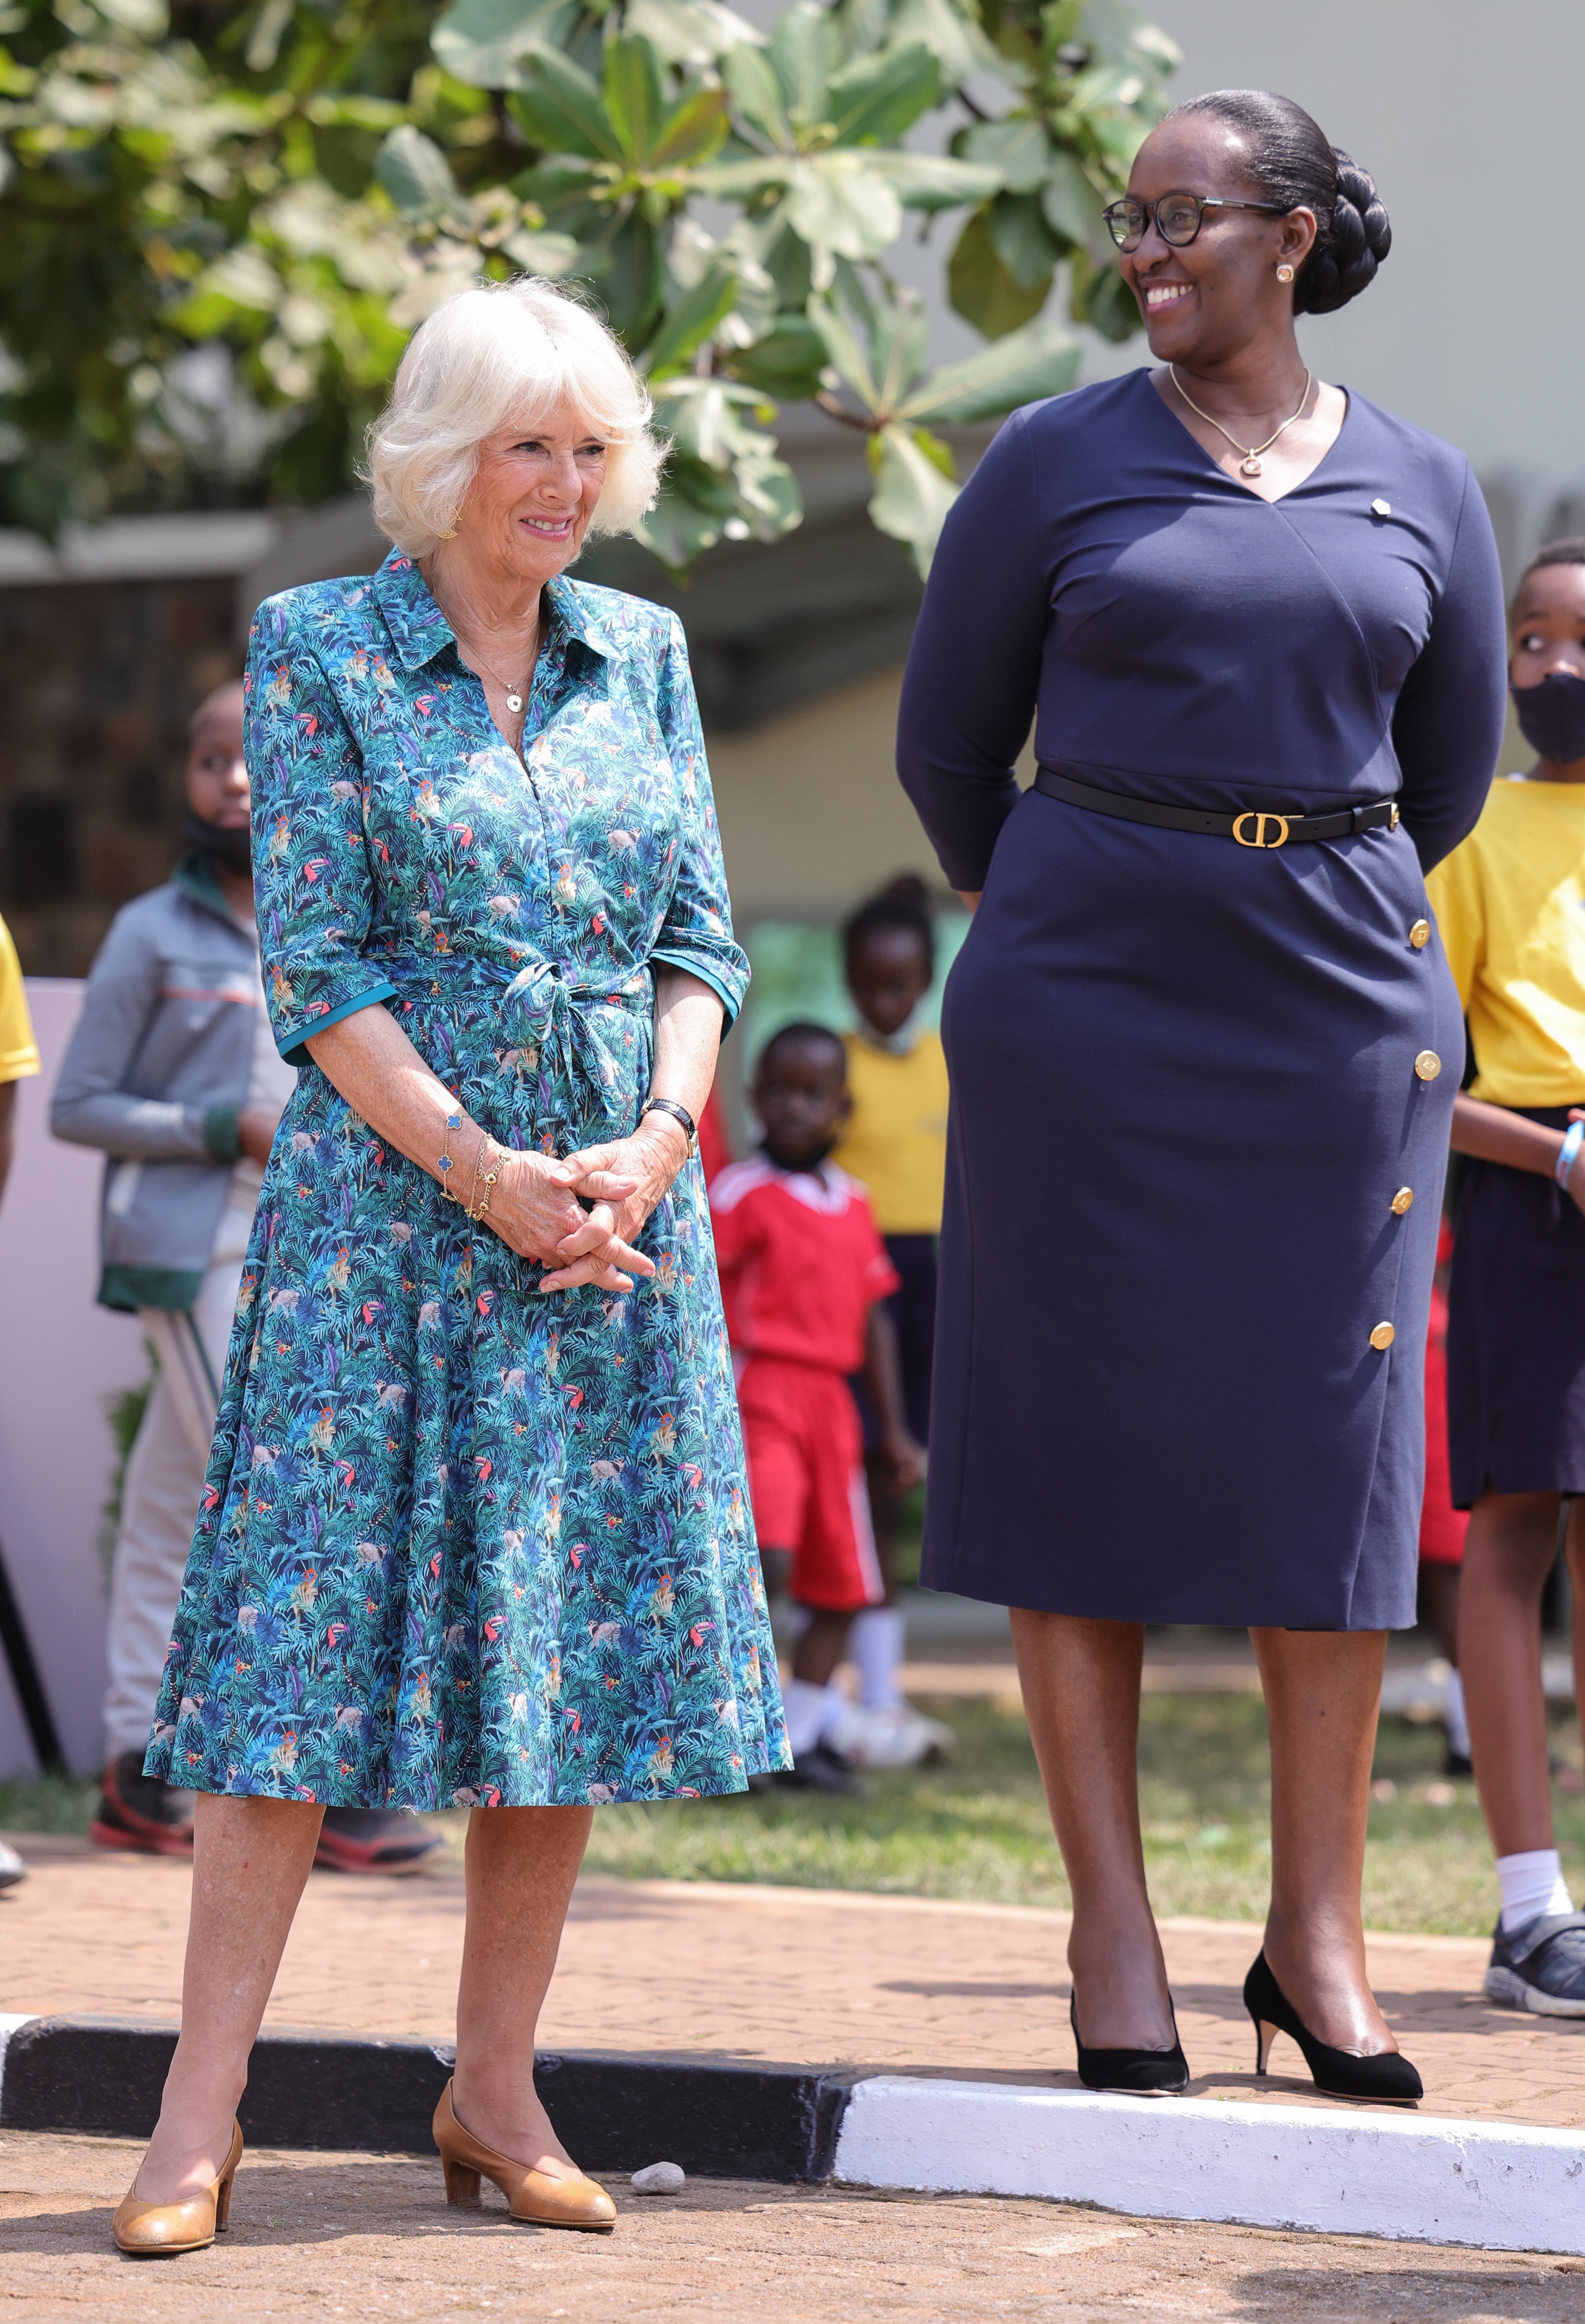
(1204, 1043)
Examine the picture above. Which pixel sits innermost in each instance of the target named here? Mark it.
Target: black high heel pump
(1386, 2077)
(1139, 2070)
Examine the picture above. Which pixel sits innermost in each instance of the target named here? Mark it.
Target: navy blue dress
(1183, 1072)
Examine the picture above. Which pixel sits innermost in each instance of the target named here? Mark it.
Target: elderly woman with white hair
(474, 1531)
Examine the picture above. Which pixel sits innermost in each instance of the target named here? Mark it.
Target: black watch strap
(677, 1112)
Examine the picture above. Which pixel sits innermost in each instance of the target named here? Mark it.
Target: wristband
(1573, 1138)
(678, 1114)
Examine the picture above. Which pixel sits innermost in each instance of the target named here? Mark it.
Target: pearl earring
(1285, 273)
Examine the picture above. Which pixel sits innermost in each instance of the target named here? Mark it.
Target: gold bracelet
(444, 1163)
(479, 1215)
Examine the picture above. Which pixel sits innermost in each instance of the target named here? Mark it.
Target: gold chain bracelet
(486, 1183)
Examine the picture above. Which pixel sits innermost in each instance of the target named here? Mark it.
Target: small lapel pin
(1381, 508)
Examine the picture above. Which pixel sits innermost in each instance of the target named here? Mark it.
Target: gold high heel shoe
(531, 2195)
(159, 2230)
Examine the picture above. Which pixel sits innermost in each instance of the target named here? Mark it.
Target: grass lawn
(976, 1826)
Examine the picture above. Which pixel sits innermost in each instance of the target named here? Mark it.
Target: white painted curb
(1411, 2178)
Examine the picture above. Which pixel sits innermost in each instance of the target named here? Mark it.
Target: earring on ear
(1285, 273)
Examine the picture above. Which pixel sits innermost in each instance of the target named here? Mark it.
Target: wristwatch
(678, 1114)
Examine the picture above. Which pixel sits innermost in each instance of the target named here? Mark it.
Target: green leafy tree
(221, 225)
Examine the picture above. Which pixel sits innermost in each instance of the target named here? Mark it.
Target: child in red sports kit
(803, 1274)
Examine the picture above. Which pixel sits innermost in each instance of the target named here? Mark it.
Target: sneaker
(821, 1769)
(1456, 1763)
(898, 1736)
(373, 1839)
(1540, 1967)
(11, 1867)
(138, 1812)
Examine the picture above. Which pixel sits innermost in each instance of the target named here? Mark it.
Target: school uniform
(1510, 905)
(801, 1266)
(894, 1144)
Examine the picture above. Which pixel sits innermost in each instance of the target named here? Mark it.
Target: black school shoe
(373, 1839)
(821, 1769)
(138, 1812)
(1540, 1967)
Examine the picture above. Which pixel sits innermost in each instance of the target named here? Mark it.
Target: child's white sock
(875, 1647)
(1532, 1884)
(1453, 1718)
(807, 1708)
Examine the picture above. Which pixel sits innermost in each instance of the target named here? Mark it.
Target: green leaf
(558, 106)
(1071, 205)
(982, 289)
(912, 492)
(1022, 240)
(693, 133)
(1038, 361)
(739, 180)
(416, 174)
(684, 329)
(1018, 146)
(837, 205)
(542, 253)
(934, 181)
(691, 33)
(846, 348)
(635, 100)
(487, 42)
(628, 265)
(757, 95)
(952, 35)
(805, 50)
(683, 522)
(1110, 306)
(874, 99)
(787, 362)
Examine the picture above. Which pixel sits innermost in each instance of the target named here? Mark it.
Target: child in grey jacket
(172, 1072)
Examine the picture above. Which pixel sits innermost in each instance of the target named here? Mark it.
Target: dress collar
(419, 630)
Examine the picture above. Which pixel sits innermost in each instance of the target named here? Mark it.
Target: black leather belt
(1254, 827)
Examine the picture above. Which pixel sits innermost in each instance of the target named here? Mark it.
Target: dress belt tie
(564, 1030)
(1251, 827)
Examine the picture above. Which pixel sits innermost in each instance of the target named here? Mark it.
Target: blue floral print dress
(461, 1543)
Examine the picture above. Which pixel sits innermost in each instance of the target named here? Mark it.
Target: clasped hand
(536, 1209)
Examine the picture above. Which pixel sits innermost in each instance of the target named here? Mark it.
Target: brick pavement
(319, 2237)
(803, 1976)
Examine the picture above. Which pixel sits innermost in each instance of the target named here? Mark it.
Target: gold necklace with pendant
(1249, 466)
(515, 694)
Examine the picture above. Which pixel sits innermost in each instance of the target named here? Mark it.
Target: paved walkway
(802, 1976)
(368, 2237)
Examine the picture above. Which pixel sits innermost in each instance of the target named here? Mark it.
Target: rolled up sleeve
(696, 931)
(313, 876)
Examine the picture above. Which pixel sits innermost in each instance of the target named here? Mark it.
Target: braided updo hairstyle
(1289, 160)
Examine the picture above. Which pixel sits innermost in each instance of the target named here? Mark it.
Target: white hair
(505, 355)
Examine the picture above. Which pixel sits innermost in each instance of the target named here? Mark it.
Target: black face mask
(1552, 716)
(225, 844)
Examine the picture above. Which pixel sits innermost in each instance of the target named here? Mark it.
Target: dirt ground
(369, 2237)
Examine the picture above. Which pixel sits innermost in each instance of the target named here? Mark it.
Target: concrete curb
(1408, 2178)
(616, 2112)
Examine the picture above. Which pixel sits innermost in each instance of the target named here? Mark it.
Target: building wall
(98, 679)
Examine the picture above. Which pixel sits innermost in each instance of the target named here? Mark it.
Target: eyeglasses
(1178, 218)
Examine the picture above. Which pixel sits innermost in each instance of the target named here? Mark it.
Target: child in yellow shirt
(894, 1144)
(1510, 905)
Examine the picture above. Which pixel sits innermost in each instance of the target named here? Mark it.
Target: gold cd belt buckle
(1278, 822)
